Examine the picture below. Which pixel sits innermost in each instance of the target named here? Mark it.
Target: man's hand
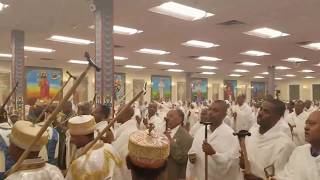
(192, 158)
(252, 177)
(145, 121)
(241, 162)
(207, 148)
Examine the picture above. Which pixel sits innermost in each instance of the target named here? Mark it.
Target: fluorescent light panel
(125, 30)
(277, 78)
(317, 64)
(282, 67)
(255, 53)
(258, 77)
(313, 46)
(265, 73)
(3, 6)
(120, 58)
(249, 64)
(235, 75)
(167, 63)
(309, 77)
(74, 61)
(208, 73)
(175, 70)
(266, 33)
(5, 55)
(134, 67)
(295, 60)
(208, 67)
(307, 71)
(199, 44)
(70, 40)
(241, 70)
(38, 49)
(208, 58)
(290, 75)
(180, 11)
(152, 51)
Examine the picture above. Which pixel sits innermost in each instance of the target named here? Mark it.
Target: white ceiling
(42, 18)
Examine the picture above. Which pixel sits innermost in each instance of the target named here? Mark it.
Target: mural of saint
(44, 86)
(161, 88)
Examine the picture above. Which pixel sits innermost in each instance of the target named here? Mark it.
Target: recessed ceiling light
(152, 51)
(70, 40)
(258, 77)
(309, 77)
(282, 67)
(180, 11)
(255, 53)
(265, 73)
(317, 64)
(290, 75)
(5, 55)
(295, 60)
(167, 63)
(248, 64)
(208, 58)
(38, 49)
(74, 61)
(3, 6)
(120, 58)
(235, 75)
(125, 30)
(175, 70)
(277, 78)
(266, 33)
(313, 46)
(134, 67)
(199, 44)
(208, 73)
(241, 70)
(208, 67)
(307, 71)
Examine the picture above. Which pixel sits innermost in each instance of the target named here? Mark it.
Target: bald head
(312, 129)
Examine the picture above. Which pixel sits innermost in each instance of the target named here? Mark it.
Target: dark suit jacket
(178, 158)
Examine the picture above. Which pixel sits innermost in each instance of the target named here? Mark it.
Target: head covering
(148, 150)
(23, 133)
(81, 125)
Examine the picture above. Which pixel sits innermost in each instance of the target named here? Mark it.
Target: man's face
(216, 113)
(312, 128)
(97, 113)
(298, 107)
(204, 116)
(80, 140)
(152, 109)
(240, 100)
(308, 104)
(266, 115)
(173, 119)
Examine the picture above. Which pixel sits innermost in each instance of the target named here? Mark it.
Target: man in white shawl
(268, 145)
(154, 118)
(296, 121)
(304, 163)
(309, 108)
(243, 116)
(221, 148)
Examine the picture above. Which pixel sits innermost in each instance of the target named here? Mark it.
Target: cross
(150, 128)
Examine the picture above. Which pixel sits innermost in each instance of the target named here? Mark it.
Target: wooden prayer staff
(52, 117)
(206, 156)
(100, 134)
(241, 136)
(3, 113)
(269, 171)
(56, 96)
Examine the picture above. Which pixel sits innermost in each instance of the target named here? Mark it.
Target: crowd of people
(166, 141)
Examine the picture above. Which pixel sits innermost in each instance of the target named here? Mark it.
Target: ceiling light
(152, 51)
(309, 77)
(266, 33)
(74, 61)
(307, 71)
(207, 58)
(207, 67)
(255, 53)
(38, 49)
(120, 58)
(313, 46)
(282, 67)
(290, 75)
(70, 40)
(249, 64)
(5, 55)
(3, 6)
(265, 73)
(180, 11)
(199, 44)
(125, 30)
(175, 70)
(134, 67)
(235, 75)
(317, 64)
(295, 60)
(241, 70)
(278, 78)
(258, 77)
(208, 73)
(167, 63)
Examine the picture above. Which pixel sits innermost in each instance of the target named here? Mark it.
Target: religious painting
(4, 86)
(119, 85)
(258, 90)
(181, 91)
(230, 89)
(42, 83)
(215, 91)
(161, 88)
(199, 89)
(137, 87)
(81, 93)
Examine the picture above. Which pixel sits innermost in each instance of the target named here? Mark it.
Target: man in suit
(180, 143)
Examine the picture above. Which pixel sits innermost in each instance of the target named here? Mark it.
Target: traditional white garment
(194, 116)
(195, 128)
(271, 148)
(43, 152)
(301, 165)
(100, 163)
(48, 172)
(284, 127)
(298, 132)
(160, 124)
(121, 142)
(310, 110)
(222, 165)
(245, 118)
(100, 127)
